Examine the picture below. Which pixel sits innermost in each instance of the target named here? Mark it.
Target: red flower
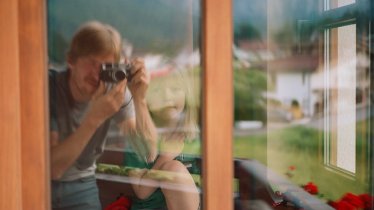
(333, 204)
(367, 200)
(311, 188)
(122, 203)
(344, 205)
(353, 200)
(290, 171)
(291, 168)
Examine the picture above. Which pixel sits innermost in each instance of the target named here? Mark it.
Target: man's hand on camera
(140, 79)
(104, 104)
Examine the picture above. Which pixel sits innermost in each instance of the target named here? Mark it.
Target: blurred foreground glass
(302, 101)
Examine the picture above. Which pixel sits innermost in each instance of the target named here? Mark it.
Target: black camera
(115, 72)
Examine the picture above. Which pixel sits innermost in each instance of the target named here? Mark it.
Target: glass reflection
(164, 34)
(307, 129)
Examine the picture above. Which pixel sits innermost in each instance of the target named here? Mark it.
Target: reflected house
(252, 53)
(289, 74)
(350, 76)
(291, 79)
(301, 77)
(159, 65)
(188, 59)
(257, 49)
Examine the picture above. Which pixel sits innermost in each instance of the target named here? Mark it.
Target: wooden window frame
(24, 178)
(23, 90)
(217, 101)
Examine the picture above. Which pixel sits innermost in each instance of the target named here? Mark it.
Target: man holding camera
(81, 109)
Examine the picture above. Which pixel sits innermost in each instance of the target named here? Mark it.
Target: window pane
(302, 87)
(340, 3)
(342, 100)
(164, 34)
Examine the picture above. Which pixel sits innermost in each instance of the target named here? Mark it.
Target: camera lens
(119, 75)
(112, 73)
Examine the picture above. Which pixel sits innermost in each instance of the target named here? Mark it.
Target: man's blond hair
(95, 38)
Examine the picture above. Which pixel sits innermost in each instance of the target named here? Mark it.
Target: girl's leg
(181, 193)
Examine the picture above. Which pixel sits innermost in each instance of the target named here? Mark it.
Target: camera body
(115, 72)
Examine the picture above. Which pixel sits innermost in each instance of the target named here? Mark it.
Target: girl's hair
(95, 38)
(187, 123)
